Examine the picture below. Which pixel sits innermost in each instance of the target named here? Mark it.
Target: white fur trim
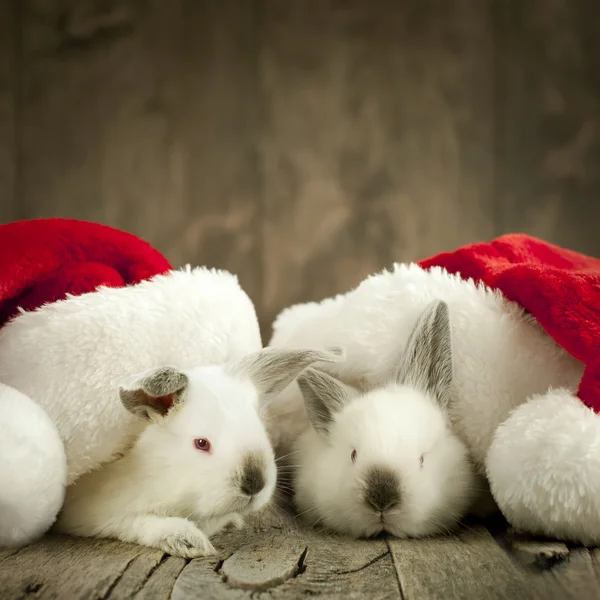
(33, 471)
(544, 468)
(501, 356)
(71, 356)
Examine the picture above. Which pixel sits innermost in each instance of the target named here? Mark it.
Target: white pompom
(33, 469)
(544, 468)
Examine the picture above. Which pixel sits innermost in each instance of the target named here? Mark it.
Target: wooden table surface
(274, 557)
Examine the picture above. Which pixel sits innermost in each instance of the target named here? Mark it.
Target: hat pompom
(33, 472)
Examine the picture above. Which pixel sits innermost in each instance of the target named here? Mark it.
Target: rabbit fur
(513, 404)
(63, 365)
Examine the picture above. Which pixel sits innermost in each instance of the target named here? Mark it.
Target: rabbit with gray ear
(386, 459)
(203, 459)
(514, 405)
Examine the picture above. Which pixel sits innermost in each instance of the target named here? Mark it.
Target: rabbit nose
(252, 482)
(382, 490)
(252, 479)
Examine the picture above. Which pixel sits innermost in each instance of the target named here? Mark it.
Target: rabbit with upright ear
(521, 403)
(387, 459)
(202, 461)
(83, 309)
(66, 359)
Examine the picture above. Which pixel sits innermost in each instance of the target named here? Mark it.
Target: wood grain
(304, 145)
(9, 38)
(78, 66)
(218, 122)
(150, 575)
(6, 552)
(300, 563)
(557, 570)
(274, 558)
(470, 565)
(540, 553)
(77, 569)
(141, 115)
(577, 578)
(159, 584)
(548, 120)
(378, 138)
(266, 564)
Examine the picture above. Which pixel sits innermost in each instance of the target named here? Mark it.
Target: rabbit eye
(421, 460)
(353, 456)
(202, 444)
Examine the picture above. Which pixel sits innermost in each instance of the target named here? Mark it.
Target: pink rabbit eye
(421, 460)
(202, 445)
(353, 456)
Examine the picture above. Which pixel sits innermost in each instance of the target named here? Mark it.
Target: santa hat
(560, 288)
(43, 260)
(543, 465)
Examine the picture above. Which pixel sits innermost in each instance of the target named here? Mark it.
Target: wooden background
(304, 144)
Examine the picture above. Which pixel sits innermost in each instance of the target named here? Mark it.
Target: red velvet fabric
(43, 260)
(560, 288)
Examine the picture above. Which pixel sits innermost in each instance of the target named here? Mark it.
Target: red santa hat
(560, 288)
(43, 260)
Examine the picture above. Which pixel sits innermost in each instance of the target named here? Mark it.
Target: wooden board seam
(366, 565)
(114, 584)
(396, 569)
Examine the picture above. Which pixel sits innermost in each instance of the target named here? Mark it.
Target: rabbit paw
(179, 537)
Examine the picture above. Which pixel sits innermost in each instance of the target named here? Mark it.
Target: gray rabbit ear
(153, 394)
(324, 396)
(273, 369)
(427, 360)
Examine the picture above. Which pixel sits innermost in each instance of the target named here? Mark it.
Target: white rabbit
(69, 358)
(203, 461)
(386, 460)
(512, 384)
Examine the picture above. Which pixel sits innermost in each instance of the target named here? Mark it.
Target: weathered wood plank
(468, 565)
(265, 564)
(263, 556)
(160, 583)
(548, 120)
(218, 119)
(274, 558)
(578, 578)
(201, 574)
(136, 574)
(81, 76)
(9, 28)
(62, 567)
(6, 552)
(538, 553)
(472, 565)
(341, 568)
(308, 564)
(141, 115)
(378, 141)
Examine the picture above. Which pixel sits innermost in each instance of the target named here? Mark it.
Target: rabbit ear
(153, 394)
(427, 360)
(273, 369)
(323, 397)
